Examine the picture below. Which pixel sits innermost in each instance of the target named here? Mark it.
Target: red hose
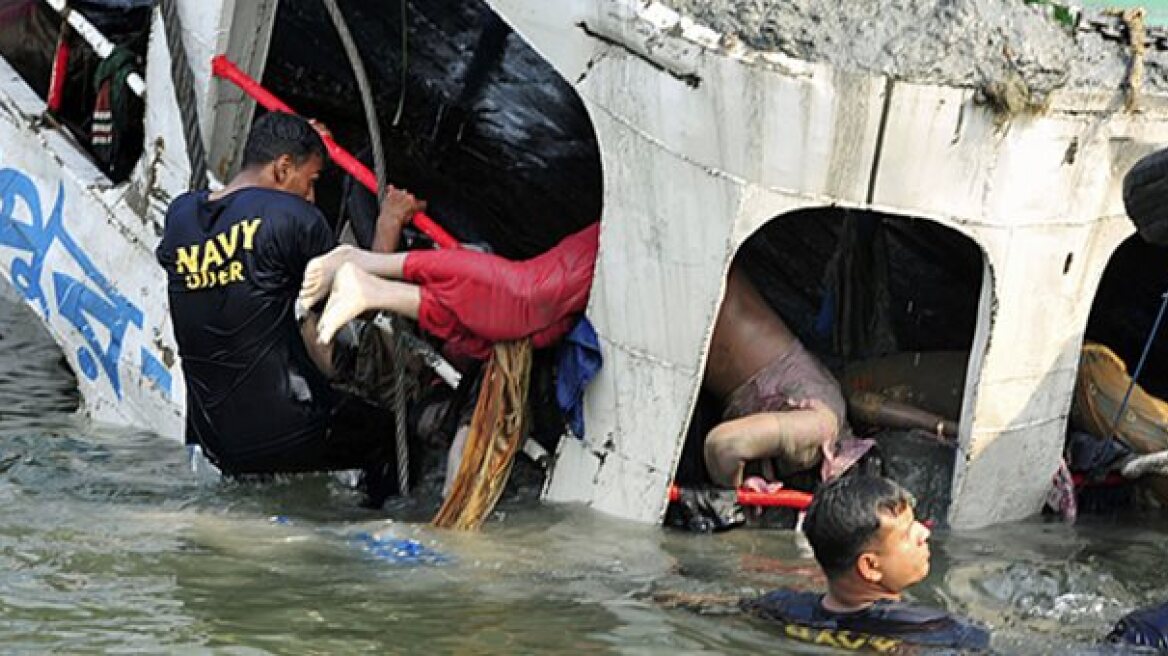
(796, 499)
(223, 67)
(59, 71)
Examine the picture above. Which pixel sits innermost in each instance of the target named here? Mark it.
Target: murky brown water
(109, 545)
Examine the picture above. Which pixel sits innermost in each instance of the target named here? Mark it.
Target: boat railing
(101, 45)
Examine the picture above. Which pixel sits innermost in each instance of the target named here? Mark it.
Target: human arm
(879, 410)
(397, 209)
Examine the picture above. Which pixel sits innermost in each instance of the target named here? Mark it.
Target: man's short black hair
(275, 134)
(845, 516)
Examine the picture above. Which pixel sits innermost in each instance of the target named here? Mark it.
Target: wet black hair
(845, 515)
(275, 134)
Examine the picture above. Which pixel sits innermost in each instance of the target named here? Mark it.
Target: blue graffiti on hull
(153, 370)
(85, 304)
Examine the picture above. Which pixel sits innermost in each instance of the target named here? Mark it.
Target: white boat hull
(700, 147)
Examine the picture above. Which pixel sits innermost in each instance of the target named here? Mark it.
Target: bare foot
(318, 275)
(347, 300)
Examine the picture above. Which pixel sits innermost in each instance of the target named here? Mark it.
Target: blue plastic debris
(399, 551)
(282, 520)
(580, 361)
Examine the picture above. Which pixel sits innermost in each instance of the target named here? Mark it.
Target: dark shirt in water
(255, 400)
(1147, 627)
(891, 627)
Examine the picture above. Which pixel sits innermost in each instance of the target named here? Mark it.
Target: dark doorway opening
(890, 305)
(483, 128)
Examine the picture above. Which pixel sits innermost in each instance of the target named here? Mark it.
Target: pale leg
(795, 436)
(383, 265)
(354, 292)
(321, 270)
(318, 275)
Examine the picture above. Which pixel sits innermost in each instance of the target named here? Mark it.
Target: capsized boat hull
(701, 143)
(704, 140)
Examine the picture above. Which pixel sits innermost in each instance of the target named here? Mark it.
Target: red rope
(224, 68)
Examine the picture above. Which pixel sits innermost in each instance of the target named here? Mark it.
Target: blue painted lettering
(87, 303)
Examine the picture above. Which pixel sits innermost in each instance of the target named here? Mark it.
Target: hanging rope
(497, 429)
(398, 352)
(399, 413)
(401, 97)
(1137, 38)
(184, 92)
(1140, 366)
(365, 90)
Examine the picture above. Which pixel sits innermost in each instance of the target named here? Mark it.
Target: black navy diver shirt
(234, 268)
(893, 627)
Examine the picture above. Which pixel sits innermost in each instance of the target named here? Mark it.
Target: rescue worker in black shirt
(871, 548)
(258, 393)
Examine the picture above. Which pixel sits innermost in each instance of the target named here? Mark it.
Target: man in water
(871, 549)
(779, 401)
(1145, 627)
(258, 394)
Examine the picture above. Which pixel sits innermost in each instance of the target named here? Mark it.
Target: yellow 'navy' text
(214, 263)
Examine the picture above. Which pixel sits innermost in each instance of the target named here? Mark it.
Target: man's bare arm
(397, 209)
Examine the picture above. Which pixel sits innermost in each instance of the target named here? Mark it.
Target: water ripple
(108, 544)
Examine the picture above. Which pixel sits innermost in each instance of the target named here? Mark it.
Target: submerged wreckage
(928, 191)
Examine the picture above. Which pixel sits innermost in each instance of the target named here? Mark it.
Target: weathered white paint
(98, 259)
(701, 146)
(241, 30)
(248, 30)
(114, 228)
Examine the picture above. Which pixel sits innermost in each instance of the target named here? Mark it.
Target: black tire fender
(1145, 197)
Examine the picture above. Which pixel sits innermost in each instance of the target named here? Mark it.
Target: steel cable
(399, 382)
(184, 91)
